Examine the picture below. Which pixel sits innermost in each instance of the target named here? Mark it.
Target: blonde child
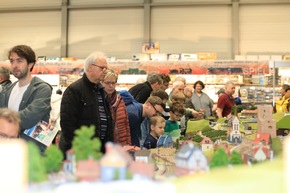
(157, 124)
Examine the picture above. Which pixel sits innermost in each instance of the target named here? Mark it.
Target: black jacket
(141, 92)
(79, 106)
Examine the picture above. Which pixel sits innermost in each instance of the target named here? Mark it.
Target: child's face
(158, 128)
(175, 116)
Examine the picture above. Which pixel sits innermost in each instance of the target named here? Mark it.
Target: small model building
(181, 142)
(264, 138)
(261, 152)
(114, 163)
(190, 159)
(235, 134)
(206, 144)
(261, 146)
(143, 155)
(69, 165)
(266, 124)
(146, 170)
(88, 170)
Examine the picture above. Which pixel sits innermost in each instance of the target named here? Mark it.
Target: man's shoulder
(77, 84)
(136, 87)
(38, 83)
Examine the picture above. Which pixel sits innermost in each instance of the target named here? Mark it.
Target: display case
(259, 94)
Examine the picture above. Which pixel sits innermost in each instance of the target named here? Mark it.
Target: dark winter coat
(79, 107)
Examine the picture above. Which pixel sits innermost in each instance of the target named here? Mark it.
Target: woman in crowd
(119, 113)
(283, 105)
(201, 101)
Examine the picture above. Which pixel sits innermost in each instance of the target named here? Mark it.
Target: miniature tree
(235, 158)
(219, 159)
(84, 145)
(36, 169)
(53, 159)
(277, 146)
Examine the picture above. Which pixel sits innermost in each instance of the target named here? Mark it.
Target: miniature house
(264, 138)
(181, 142)
(235, 134)
(69, 165)
(266, 124)
(114, 163)
(190, 159)
(146, 170)
(206, 144)
(261, 152)
(143, 155)
(88, 170)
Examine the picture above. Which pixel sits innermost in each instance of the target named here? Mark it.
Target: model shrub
(219, 159)
(36, 168)
(84, 145)
(52, 159)
(235, 158)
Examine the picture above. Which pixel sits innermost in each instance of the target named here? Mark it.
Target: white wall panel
(89, 2)
(40, 30)
(264, 29)
(117, 32)
(28, 3)
(193, 29)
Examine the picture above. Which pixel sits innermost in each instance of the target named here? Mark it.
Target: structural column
(64, 29)
(235, 29)
(147, 20)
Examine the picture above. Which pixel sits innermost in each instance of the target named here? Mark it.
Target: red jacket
(120, 116)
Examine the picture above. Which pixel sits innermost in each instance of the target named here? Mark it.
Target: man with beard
(84, 102)
(30, 96)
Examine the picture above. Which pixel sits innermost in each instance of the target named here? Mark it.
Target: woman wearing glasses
(118, 108)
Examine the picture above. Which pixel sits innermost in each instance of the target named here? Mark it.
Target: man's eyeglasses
(157, 112)
(101, 67)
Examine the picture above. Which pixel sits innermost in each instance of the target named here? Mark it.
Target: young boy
(172, 127)
(157, 124)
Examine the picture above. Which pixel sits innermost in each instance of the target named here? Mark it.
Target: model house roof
(206, 140)
(115, 156)
(262, 137)
(187, 150)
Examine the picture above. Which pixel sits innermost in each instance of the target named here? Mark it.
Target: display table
(262, 178)
(265, 177)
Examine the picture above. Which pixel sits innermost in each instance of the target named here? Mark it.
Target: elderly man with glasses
(84, 102)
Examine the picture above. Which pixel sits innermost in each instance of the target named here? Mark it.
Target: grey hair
(177, 83)
(5, 73)
(92, 58)
(180, 78)
(229, 83)
(154, 77)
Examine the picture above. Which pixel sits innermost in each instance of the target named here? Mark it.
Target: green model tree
(235, 158)
(84, 145)
(219, 158)
(52, 159)
(36, 169)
